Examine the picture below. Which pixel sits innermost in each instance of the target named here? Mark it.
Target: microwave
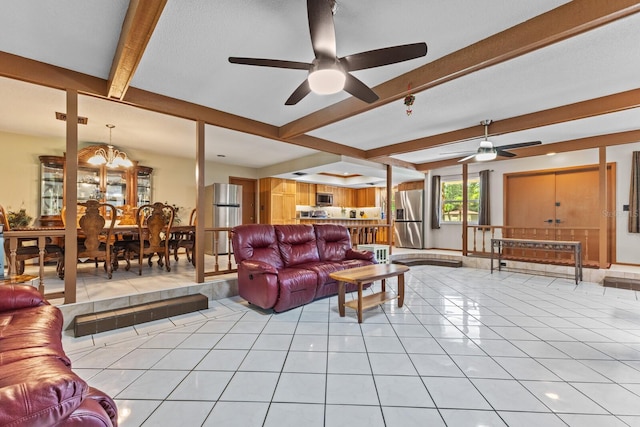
(324, 199)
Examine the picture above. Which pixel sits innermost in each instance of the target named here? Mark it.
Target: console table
(497, 246)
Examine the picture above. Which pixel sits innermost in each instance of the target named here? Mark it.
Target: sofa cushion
(38, 391)
(323, 270)
(333, 241)
(297, 244)
(31, 332)
(13, 297)
(256, 242)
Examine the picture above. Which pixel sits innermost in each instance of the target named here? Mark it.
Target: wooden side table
(362, 275)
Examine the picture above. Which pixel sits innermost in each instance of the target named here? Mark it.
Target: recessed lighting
(551, 154)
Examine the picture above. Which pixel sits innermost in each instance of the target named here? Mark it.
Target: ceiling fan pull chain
(409, 100)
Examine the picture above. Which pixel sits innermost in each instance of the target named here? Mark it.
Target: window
(451, 204)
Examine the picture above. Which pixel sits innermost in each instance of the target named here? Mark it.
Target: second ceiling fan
(486, 151)
(328, 73)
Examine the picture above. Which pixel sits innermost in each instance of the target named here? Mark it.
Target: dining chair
(185, 239)
(28, 249)
(95, 234)
(154, 234)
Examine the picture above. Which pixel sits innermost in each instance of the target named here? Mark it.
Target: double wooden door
(560, 205)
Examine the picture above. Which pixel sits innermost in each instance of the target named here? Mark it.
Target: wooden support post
(71, 199)
(388, 208)
(199, 246)
(603, 235)
(465, 178)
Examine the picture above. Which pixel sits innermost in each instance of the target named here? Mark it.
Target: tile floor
(467, 349)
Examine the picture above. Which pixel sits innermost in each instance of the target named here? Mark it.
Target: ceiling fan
(327, 73)
(486, 151)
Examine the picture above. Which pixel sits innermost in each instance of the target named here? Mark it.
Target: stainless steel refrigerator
(223, 208)
(408, 226)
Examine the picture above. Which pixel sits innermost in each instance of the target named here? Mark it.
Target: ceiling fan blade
(518, 145)
(321, 28)
(360, 90)
(276, 63)
(300, 92)
(384, 56)
(504, 153)
(467, 158)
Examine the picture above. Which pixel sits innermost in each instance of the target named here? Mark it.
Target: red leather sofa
(285, 266)
(37, 385)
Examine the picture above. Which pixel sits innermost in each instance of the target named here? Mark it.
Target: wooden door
(530, 203)
(248, 198)
(577, 207)
(530, 211)
(559, 205)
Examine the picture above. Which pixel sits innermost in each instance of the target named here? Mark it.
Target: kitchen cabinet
(117, 186)
(305, 194)
(277, 201)
(412, 185)
(368, 197)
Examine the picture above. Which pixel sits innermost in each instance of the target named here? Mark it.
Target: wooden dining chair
(154, 234)
(95, 234)
(28, 249)
(185, 240)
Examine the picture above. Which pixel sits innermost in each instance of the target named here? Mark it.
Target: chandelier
(110, 157)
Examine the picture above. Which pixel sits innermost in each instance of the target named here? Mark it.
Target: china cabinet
(118, 186)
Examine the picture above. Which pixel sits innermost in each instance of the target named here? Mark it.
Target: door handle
(549, 221)
(558, 221)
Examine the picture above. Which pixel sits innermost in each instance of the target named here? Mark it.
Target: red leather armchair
(37, 385)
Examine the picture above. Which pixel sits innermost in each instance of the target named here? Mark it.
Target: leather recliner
(281, 267)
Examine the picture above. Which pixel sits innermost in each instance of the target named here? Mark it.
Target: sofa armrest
(364, 255)
(258, 267)
(13, 297)
(96, 397)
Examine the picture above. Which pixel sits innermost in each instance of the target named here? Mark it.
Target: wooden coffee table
(368, 274)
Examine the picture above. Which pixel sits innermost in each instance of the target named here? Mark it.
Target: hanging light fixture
(111, 157)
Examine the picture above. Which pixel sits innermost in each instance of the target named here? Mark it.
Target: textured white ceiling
(187, 59)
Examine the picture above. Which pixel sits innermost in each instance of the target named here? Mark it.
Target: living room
(563, 73)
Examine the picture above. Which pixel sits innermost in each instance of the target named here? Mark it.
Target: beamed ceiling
(564, 73)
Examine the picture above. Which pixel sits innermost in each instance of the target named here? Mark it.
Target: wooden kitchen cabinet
(368, 197)
(305, 194)
(277, 201)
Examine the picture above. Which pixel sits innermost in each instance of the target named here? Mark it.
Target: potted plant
(18, 219)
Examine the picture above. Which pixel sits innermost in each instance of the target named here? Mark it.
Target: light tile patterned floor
(467, 349)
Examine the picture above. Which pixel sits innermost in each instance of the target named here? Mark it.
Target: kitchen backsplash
(338, 212)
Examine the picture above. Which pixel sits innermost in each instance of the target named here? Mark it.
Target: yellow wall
(173, 177)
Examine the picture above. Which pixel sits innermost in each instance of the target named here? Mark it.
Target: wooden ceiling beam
(565, 113)
(578, 144)
(566, 21)
(28, 70)
(137, 28)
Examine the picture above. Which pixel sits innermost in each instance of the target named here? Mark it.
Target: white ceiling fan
(486, 151)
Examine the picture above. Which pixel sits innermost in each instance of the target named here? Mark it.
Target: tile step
(92, 323)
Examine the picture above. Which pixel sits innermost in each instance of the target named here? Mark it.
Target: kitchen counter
(307, 220)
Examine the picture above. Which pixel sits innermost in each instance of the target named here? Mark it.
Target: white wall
(449, 236)
(173, 177)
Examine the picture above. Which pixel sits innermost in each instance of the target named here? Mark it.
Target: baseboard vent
(93, 323)
(428, 261)
(621, 283)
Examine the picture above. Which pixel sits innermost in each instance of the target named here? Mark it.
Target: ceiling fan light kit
(329, 74)
(327, 81)
(486, 151)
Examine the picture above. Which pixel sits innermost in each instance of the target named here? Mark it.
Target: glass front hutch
(121, 187)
